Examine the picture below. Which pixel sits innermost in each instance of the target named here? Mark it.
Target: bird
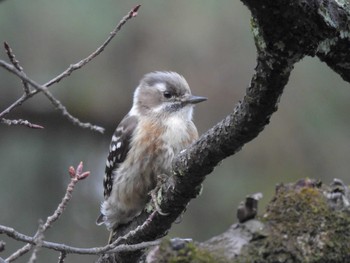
(158, 126)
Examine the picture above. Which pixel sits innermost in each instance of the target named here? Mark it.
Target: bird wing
(118, 150)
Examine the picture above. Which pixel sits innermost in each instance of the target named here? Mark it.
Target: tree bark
(304, 222)
(284, 32)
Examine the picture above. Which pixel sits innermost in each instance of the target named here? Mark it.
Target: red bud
(71, 171)
(80, 168)
(83, 175)
(134, 11)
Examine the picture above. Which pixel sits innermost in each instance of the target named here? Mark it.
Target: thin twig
(38, 243)
(17, 103)
(48, 94)
(2, 245)
(135, 231)
(18, 253)
(66, 73)
(15, 62)
(76, 175)
(21, 122)
(75, 178)
(62, 257)
(81, 63)
(108, 249)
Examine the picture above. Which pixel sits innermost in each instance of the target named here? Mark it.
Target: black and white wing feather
(118, 150)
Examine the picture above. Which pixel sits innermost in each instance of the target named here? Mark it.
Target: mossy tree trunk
(304, 222)
(285, 31)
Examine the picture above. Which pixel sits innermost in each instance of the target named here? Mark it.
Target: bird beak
(195, 99)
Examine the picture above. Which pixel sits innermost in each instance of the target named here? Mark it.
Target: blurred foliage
(210, 43)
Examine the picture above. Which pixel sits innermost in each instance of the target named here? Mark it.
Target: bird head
(164, 94)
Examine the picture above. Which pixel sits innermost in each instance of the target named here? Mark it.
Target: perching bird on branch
(158, 126)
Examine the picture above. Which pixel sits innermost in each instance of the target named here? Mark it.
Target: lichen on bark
(302, 227)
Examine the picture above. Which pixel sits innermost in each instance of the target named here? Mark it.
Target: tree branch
(83, 62)
(284, 32)
(10, 232)
(15, 62)
(48, 94)
(76, 175)
(62, 257)
(18, 71)
(335, 53)
(38, 242)
(21, 122)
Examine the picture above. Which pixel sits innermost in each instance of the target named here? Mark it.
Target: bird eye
(167, 94)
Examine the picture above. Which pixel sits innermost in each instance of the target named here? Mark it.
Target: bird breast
(152, 150)
(156, 143)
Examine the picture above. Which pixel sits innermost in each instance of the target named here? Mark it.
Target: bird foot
(156, 194)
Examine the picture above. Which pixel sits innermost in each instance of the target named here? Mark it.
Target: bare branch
(108, 249)
(17, 70)
(62, 257)
(280, 42)
(63, 205)
(17, 103)
(76, 175)
(83, 62)
(21, 122)
(38, 243)
(49, 95)
(15, 62)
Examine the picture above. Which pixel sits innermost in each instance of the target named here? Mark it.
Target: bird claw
(156, 194)
(155, 202)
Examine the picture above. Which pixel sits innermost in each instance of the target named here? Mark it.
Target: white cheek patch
(134, 110)
(160, 86)
(158, 109)
(136, 93)
(187, 112)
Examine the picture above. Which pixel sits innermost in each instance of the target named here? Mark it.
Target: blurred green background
(210, 43)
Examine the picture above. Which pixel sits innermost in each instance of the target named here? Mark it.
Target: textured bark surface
(284, 32)
(337, 56)
(305, 221)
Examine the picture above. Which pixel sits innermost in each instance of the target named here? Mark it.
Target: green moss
(302, 228)
(190, 253)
